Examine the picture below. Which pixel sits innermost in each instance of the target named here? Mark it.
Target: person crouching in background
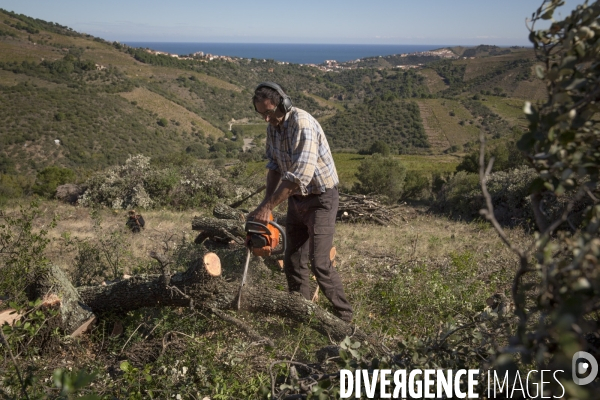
(135, 222)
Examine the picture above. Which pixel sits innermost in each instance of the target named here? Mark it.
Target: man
(301, 171)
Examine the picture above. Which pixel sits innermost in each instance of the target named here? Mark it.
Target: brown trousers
(310, 225)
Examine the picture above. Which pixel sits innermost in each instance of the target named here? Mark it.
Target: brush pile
(363, 208)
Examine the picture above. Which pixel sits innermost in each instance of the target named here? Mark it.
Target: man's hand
(260, 215)
(264, 210)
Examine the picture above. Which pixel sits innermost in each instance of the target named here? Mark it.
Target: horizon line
(326, 44)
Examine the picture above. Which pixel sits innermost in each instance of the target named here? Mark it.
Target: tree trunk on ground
(223, 211)
(197, 286)
(55, 289)
(223, 230)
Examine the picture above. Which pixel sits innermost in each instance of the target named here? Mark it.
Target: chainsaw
(262, 241)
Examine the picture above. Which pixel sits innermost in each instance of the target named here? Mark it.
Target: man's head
(131, 213)
(271, 102)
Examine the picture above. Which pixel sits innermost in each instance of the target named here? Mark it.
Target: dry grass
(483, 65)
(422, 236)
(402, 280)
(164, 107)
(510, 109)
(378, 263)
(440, 121)
(324, 102)
(13, 49)
(532, 91)
(77, 224)
(8, 78)
(435, 83)
(137, 69)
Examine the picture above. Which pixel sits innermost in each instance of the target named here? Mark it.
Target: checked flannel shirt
(300, 153)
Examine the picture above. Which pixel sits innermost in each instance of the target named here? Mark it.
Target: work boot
(344, 316)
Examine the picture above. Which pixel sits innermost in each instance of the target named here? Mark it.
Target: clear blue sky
(448, 22)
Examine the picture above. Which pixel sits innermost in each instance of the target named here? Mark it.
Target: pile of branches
(362, 208)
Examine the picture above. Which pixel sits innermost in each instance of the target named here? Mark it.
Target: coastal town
(327, 65)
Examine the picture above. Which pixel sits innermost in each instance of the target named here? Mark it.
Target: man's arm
(273, 197)
(273, 178)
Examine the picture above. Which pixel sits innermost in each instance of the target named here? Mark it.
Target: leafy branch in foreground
(557, 288)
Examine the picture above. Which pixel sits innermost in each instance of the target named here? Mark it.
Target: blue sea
(293, 53)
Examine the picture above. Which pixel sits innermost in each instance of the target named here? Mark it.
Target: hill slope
(104, 101)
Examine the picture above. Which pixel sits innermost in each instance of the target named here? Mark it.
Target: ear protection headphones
(285, 104)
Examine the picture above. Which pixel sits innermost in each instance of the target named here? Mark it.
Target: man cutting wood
(301, 170)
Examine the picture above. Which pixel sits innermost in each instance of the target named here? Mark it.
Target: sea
(292, 53)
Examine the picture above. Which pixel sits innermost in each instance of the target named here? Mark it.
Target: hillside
(103, 101)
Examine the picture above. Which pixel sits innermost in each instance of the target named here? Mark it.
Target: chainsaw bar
(239, 300)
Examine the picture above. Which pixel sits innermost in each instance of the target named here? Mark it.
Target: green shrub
(120, 187)
(380, 147)
(417, 186)
(461, 196)
(50, 178)
(14, 186)
(381, 175)
(506, 156)
(139, 184)
(22, 258)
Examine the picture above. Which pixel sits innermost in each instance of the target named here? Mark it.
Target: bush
(462, 198)
(417, 186)
(506, 156)
(380, 147)
(120, 187)
(50, 178)
(22, 258)
(381, 175)
(138, 184)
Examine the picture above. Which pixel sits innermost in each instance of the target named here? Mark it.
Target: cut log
(212, 264)
(208, 292)
(56, 289)
(223, 230)
(223, 211)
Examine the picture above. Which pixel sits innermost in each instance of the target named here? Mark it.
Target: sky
(444, 22)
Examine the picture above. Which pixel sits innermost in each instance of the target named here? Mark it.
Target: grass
(8, 78)
(441, 120)
(530, 90)
(166, 108)
(510, 109)
(434, 81)
(251, 130)
(22, 50)
(420, 246)
(403, 281)
(326, 103)
(347, 165)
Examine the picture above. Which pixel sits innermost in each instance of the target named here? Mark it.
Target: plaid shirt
(300, 153)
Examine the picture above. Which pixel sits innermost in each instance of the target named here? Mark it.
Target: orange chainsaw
(262, 241)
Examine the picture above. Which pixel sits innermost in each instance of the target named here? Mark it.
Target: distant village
(327, 65)
(333, 65)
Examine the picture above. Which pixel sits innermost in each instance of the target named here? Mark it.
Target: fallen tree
(197, 288)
